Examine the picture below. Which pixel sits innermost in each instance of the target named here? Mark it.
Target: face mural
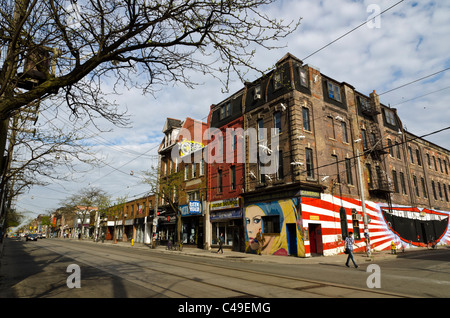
(280, 225)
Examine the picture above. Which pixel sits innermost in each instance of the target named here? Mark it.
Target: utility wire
(415, 81)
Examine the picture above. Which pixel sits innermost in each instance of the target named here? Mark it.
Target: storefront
(192, 224)
(226, 217)
(166, 227)
(139, 230)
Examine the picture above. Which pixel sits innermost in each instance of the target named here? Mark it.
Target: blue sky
(412, 41)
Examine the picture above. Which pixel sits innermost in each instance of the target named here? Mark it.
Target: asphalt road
(40, 270)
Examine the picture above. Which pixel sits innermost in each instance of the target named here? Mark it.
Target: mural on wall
(405, 226)
(415, 226)
(281, 225)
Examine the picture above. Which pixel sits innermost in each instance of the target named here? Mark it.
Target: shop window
(271, 224)
(355, 223)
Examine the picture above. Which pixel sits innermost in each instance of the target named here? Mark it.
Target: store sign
(187, 147)
(224, 215)
(193, 208)
(224, 204)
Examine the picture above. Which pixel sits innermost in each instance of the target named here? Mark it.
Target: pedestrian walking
(349, 241)
(221, 241)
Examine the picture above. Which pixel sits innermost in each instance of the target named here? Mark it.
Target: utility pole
(361, 189)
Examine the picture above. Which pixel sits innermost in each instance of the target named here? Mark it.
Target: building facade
(226, 171)
(307, 159)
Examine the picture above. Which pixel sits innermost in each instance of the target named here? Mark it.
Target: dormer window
(303, 77)
(257, 93)
(334, 91)
(225, 110)
(277, 80)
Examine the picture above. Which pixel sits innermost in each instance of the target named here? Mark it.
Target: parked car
(32, 237)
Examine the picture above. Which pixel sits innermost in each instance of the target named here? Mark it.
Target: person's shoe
(347, 265)
(356, 266)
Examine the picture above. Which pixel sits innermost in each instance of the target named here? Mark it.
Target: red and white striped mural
(407, 226)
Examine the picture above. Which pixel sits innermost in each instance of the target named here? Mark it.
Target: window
(257, 93)
(219, 181)
(364, 138)
(395, 181)
(416, 186)
(277, 121)
(424, 188)
(445, 192)
(344, 131)
(434, 190)
(277, 81)
(419, 162)
(194, 170)
(334, 91)
(390, 149)
(271, 224)
(260, 127)
(303, 77)
(369, 174)
(344, 226)
(410, 155)
(202, 167)
(440, 165)
(397, 146)
(355, 222)
(440, 190)
(186, 172)
(348, 168)
(445, 166)
(225, 110)
(305, 113)
(280, 173)
(434, 161)
(390, 117)
(364, 103)
(309, 163)
(233, 177)
(428, 161)
(402, 182)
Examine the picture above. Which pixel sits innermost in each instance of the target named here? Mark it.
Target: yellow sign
(314, 217)
(188, 147)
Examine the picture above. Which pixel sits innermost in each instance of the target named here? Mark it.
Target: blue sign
(193, 208)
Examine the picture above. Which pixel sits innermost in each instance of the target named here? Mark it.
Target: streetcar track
(313, 284)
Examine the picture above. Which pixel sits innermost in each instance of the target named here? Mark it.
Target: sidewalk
(360, 258)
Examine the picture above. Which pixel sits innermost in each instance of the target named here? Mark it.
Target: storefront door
(315, 238)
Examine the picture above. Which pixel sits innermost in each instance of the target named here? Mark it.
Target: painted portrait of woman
(272, 243)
